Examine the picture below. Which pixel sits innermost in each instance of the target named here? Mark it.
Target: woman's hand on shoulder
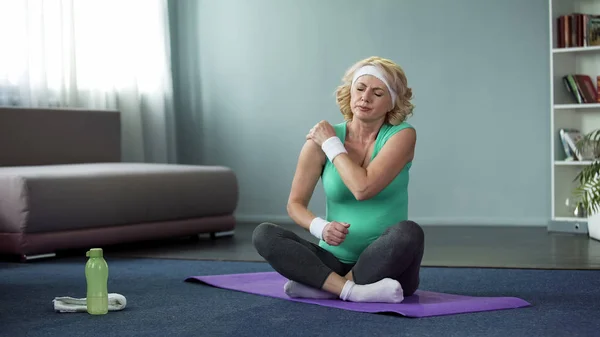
(335, 232)
(321, 132)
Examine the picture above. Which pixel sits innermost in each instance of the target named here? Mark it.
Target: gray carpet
(160, 303)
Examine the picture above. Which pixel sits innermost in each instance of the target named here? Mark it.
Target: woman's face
(369, 98)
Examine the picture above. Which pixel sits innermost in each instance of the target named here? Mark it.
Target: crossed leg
(387, 269)
(396, 254)
(294, 257)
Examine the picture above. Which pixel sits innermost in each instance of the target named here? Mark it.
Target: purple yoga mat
(420, 304)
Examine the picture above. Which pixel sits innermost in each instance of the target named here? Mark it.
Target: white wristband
(316, 227)
(333, 147)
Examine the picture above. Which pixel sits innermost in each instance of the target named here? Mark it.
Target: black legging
(396, 254)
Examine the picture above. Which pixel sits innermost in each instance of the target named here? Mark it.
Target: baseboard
(425, 221)
(568, 227)
(481, 221)
(257, 219)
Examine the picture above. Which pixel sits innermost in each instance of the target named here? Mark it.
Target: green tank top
(368, 219)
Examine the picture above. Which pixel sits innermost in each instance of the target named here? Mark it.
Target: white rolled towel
(70, 304)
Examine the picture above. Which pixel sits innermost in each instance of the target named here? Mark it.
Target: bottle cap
(94, 252)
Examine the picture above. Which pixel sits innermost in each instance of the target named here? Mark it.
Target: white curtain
(102, 54)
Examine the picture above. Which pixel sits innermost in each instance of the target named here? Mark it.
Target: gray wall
(254, 76)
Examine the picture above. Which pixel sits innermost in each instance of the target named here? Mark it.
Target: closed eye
(378, 93)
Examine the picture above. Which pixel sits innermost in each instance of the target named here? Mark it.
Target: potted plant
(588, 189)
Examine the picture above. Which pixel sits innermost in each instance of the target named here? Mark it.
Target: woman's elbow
(290, 208)
(293, 207)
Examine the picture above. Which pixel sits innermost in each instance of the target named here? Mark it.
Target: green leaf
(588, 190)
(590, 142)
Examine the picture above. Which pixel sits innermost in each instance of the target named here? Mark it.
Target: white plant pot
(594, 226)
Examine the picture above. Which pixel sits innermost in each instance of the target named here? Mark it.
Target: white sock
(295, 289)
(386, 290)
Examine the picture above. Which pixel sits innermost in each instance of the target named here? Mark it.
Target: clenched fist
(335, 232)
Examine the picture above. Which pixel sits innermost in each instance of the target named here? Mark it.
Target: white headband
(372, 70)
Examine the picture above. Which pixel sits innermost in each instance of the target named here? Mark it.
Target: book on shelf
(582, 89)
(577, 30)
(569, 137)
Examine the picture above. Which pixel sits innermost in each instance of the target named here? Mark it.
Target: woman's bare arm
(366, 183)
(308, 171)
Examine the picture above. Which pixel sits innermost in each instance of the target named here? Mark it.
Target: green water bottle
(96, 274)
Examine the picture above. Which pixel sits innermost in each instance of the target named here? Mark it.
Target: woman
(368, 250)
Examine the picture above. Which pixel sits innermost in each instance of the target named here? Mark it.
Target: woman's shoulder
(340, 129)
(391, 130)
(340, 125)
(401, 126)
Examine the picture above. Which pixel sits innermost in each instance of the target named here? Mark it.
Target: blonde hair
(395, 77)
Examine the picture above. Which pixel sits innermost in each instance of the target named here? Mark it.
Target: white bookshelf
(565, 112)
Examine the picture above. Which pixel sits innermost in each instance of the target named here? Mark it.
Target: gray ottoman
(63, 186)
(46, 208)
